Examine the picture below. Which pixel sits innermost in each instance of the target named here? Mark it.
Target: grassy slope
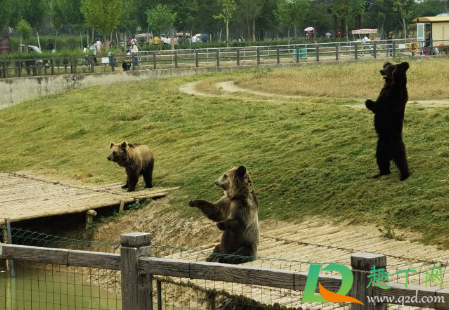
(309, 156)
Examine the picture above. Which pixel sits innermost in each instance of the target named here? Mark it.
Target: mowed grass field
(308, 156)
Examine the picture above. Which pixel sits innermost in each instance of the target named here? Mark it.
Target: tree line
(227, 19)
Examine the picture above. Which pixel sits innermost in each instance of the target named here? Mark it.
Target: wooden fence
(138, 268)
(217, 57)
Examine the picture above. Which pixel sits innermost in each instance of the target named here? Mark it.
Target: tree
(345, 10)
(250, 10)
(32, 11)
(227, 11)
(186, 12)
(404, 8)
(5, 13)
(102, 14)
(291, 13)
(24, 29)
(161, 17)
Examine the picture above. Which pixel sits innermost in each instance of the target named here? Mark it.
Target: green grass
(308, 156)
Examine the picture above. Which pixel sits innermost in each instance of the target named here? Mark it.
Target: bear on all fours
(389, 109)
(137, 159)
(236, 214)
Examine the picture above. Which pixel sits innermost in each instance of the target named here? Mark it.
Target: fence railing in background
(220, 57)
(137, 269)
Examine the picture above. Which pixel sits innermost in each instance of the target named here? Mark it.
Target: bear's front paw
(221, 225)
(369, 104)
(193, 203)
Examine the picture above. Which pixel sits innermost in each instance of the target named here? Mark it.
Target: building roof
(432, 19)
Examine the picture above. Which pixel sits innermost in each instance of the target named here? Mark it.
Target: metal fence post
(362, 264)
(136, 288)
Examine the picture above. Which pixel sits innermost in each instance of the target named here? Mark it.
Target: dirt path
(232, 88)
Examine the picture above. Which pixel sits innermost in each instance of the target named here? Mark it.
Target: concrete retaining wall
(16, 90)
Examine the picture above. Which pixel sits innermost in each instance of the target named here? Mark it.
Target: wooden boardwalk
(25, 196)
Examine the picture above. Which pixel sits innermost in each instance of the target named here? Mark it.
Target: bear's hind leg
(148, 175)
(400, 159)
(382, 159)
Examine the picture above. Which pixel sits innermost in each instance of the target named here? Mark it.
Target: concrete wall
(16, 90)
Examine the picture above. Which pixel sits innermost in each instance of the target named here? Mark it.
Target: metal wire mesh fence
(57, 286)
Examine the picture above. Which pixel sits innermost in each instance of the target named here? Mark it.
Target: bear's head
(395, 74)
(236, 182)
(119, 152)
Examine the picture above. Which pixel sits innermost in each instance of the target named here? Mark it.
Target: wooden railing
(217, 57)
(138, 268)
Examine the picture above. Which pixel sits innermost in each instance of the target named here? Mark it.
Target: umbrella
(309, 29)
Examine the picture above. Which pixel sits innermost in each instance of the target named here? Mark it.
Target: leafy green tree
(32, 11)
(430, 7)
(405, 10)
(186, 14)
(249, 11)
(227, 11)
(161, 17)
(24, 29)
(5, 13)
(345, 10)
(103, 15)
(290, 13)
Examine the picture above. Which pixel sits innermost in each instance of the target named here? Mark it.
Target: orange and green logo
(346, 283)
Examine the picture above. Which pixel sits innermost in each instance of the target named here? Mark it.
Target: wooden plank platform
(24, 196)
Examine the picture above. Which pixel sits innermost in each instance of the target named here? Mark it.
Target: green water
(54, 289)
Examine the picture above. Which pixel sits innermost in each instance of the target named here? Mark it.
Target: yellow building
(432, 31)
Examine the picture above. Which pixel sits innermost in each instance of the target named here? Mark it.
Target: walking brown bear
(388, 112)
(236, 215)
(137, 159)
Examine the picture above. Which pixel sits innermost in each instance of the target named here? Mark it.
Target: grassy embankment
(307, 156)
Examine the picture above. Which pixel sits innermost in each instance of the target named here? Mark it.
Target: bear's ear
(387, 64)
(124, 145)
(111, 145)
(241, 171)
(404, 66)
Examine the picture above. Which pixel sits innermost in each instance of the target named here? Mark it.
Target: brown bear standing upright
(388, 112)
(137, 160)
(236, 214)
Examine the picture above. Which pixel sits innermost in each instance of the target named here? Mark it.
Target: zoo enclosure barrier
(137, 269)
(220, 57)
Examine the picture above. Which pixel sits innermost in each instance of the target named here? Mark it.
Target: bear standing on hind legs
(388, 112)
(236, 215)
(137, 159)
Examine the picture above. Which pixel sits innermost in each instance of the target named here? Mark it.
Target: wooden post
(10, 263)
(176, 60)
(361, 265)
(278, 59)
(196, 58)
(4, 68)
(258, 56)
(159, 295)
(355, 50)
(238, 57)
(317, 50)
(297, 54)
(90, 218)
(218, 57)
(136, 288)
(154, 61)
(375, 50)
(394, 49)
(122, 206)
(337, 52)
